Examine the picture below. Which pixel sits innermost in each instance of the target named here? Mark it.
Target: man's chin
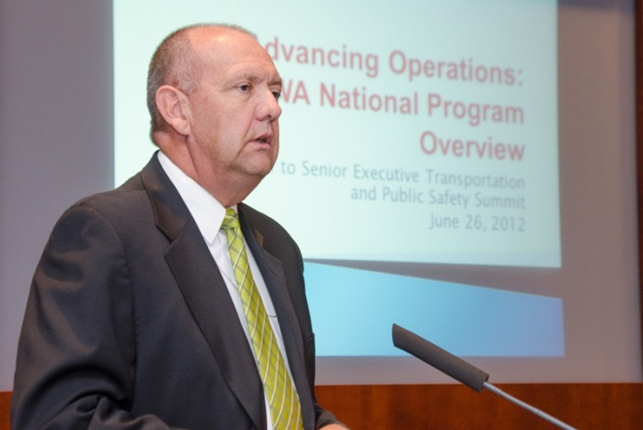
(257, 174)
(260, 166)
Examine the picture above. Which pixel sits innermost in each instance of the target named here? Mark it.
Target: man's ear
(173, 106)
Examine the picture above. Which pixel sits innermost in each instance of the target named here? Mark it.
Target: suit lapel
(204, 290)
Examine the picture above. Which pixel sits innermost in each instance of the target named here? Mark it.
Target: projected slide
(412, 132)
(424, 133)
(466, 320)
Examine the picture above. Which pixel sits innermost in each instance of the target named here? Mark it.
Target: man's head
(212, 95)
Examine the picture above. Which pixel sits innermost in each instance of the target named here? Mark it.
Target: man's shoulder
(119, 206)
(132, 192)
(117, 198)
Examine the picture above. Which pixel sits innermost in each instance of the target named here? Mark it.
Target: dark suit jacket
(129, 323)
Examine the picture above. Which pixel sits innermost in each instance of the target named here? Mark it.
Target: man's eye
(277, 94)
(244, 87)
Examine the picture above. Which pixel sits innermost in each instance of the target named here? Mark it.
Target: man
(137, 317)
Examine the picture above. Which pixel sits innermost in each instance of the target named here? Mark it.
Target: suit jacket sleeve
(76, 358)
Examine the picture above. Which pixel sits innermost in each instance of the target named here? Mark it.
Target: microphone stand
(459, 369)
(489, 386)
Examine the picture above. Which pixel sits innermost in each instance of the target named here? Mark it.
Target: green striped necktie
(280, 390)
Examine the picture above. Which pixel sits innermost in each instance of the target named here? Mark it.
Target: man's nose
(268, 107)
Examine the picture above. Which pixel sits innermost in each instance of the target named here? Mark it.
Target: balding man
(168, 303)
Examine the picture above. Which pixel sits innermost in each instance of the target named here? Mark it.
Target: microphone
(459, 369)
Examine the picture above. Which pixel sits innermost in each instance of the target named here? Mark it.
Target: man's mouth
(264, 138)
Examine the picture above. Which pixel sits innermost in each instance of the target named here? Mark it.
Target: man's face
(234, 110)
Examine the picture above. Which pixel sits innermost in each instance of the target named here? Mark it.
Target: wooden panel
(410, 407)
(454, 407)
(5, 401)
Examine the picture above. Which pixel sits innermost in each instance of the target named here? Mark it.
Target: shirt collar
(206, 210)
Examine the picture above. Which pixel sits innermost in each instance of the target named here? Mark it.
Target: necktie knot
(230, 221)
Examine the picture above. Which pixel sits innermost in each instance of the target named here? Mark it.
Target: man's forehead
(236, 53)
(221, 39)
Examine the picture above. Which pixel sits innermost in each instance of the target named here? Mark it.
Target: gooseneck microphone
(458, 369)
